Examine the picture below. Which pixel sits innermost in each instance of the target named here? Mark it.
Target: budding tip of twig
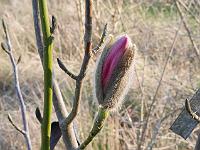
(53, 24)
(9, 117)
(3, 24)
(38, 114)
(60, 64)
(106, 27)
(4, 48)
(19, 59)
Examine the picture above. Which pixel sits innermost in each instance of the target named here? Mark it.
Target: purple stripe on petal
(114, 56)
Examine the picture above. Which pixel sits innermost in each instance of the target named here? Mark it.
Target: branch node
(50, 39)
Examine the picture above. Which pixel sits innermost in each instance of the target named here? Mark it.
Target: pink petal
(114, 56)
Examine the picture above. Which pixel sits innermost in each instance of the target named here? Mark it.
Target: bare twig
(196, 50)
(15, 126)
(188, 108)
(143, 134)
(87, 56)
(102, 39)
(62, 66)
(37, 28)
(8, 49)
(66, 125)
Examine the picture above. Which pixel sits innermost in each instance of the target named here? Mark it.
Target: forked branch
(196, 50)
(84, 66)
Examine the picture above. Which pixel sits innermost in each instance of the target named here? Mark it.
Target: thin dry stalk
(143, 134)
(189, 11)
(7, 47)
(196, 50)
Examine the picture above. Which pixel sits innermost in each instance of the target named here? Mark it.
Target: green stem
(47, 40)
(98, 125)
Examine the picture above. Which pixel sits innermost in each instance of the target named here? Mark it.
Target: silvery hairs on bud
(112, 95)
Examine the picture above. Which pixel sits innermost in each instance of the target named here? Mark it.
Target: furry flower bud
(114, 69)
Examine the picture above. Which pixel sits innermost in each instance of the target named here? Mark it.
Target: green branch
(47, 39)
(97, 126)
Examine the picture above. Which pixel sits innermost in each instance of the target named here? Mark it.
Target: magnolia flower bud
(114, 69)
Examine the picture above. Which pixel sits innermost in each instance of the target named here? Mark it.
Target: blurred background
(166, 70)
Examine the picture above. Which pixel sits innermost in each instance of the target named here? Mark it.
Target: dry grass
(151, 25)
